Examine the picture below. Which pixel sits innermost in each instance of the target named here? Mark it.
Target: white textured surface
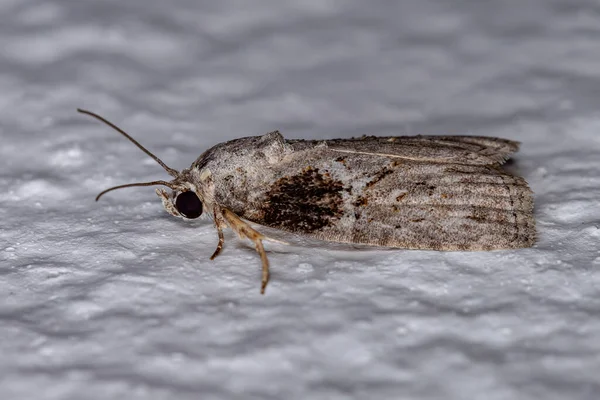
(117, 299)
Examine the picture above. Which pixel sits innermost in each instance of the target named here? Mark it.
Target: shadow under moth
(410, 192)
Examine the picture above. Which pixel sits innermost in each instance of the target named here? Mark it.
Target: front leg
(219, 224)
(244, 230)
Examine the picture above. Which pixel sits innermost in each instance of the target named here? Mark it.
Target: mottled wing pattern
(423, 192)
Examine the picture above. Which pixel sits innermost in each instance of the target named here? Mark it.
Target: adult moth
(411, 192)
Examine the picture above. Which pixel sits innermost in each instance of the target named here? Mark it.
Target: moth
(410, 192)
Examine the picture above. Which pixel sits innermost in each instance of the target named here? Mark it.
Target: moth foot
(217, 251)
(220, 244)
(265, 265)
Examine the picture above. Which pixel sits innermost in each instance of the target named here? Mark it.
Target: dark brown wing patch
(306, 202)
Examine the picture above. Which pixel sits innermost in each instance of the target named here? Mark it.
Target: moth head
(185, 199)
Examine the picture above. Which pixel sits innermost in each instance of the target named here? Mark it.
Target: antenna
(174, 173)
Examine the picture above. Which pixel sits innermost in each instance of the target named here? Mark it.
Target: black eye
(188, 205)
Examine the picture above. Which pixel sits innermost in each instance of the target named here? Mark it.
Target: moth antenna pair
(173, 172)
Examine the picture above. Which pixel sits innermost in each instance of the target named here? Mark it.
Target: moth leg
(244, 230)
(219, 223)
(167, 202)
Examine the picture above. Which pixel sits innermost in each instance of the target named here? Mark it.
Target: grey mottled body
(413, 192)
(421, 192)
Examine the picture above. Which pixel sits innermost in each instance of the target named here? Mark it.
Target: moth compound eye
(188, 205)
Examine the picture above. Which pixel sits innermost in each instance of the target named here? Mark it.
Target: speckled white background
(117, 299)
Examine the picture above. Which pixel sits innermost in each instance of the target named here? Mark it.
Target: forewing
(398, 201)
